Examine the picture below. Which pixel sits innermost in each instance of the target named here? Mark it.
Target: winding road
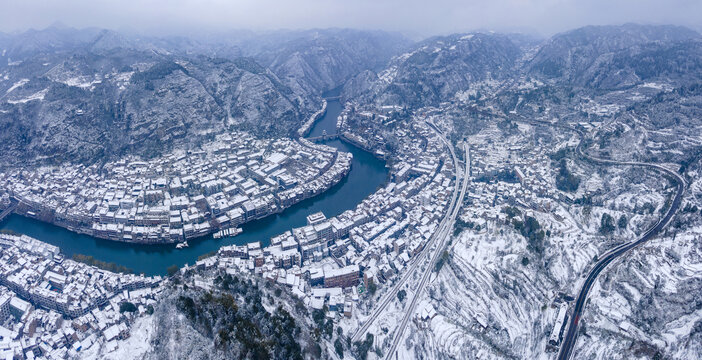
(570, 338)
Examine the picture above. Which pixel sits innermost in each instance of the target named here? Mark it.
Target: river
(366, 175)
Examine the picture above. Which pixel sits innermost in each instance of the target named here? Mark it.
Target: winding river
(366, 175)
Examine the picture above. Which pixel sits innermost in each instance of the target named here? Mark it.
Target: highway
(442, 234)
(571, 335)
(389, 297)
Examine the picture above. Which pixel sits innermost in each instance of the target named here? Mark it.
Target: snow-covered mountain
(80, 95)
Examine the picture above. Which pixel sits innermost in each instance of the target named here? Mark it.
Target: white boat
(184, 244)
(229, 232)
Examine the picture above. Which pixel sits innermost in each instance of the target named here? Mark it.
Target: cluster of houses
(528, 185)
(332, 261)
(54, 307)
(180, 196)
(51, 307)
(328, 262)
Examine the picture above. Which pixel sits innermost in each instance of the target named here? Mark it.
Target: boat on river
(184, 244)
(229, 232)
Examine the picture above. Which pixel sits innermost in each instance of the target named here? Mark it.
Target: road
(571, 335)
(389, 297)
(9, 210)
(443, 234)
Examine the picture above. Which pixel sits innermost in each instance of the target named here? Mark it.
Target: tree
(622, 222)
(525, 261)
(689, 208)
(361, 347)
(339, 347)
(460, 225)
(127, 307)
(511, 211)
(109, 266)
(329, 328)
(565, 181)
(172, 270)
(401, 295)
(606, 224)
(531, 230)
(372, 287)
(440, 263)
(318, 317)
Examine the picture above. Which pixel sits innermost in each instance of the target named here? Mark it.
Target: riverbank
(307, 126)
(367, 174)
(335, 170)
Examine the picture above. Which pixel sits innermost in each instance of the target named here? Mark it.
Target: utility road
(572, 333)
(425, 253)
(442, 235)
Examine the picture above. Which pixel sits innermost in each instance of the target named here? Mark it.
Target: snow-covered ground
(496, 297)
(134, 347)
(39, 95)
(648, 303)
(16, 85)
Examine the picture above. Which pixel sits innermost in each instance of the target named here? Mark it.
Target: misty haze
(509, 179)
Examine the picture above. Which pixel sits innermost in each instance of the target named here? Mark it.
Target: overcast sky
(413, 17)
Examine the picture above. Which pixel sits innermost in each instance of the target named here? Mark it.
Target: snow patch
(81, 82)
(16, 85)
(134, 347)
(39, 95)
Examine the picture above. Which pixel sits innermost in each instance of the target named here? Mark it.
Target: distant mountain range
(82, 95)
(593, 57)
